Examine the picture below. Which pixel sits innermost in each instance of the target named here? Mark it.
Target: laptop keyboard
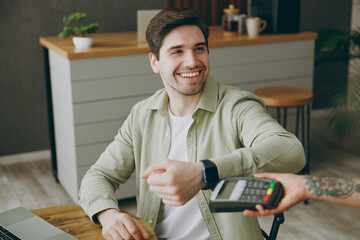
(7, 235)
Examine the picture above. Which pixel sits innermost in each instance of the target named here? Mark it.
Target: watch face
(212, 175)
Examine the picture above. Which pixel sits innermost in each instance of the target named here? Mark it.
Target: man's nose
(190, 59)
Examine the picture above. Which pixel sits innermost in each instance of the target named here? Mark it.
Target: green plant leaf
(344, 113)
(77, 17)
(67, 31)
(72, 26)
(334, 44)
(91, 28)
(66, 20)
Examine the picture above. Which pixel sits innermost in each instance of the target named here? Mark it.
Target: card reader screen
(226, 190)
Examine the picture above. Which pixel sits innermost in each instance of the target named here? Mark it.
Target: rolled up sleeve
(267, 146)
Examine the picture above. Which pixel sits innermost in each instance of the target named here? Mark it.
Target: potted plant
(79, 32)
(344, 114)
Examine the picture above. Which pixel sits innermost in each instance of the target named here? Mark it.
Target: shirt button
(150, 221)
(166, 134)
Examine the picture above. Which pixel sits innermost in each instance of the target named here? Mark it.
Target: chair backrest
(210, 11)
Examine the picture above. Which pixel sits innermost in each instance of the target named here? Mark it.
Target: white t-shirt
(181, 222)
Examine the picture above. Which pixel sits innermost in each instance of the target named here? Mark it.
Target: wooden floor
(31, 185)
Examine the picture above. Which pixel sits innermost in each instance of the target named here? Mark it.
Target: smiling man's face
(184, 63)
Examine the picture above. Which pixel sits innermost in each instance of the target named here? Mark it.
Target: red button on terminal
(266, 198)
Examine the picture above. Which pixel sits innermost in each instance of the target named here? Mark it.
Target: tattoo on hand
(357, 185)
(335, 187)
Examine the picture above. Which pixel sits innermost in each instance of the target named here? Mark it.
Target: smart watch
(210, 173)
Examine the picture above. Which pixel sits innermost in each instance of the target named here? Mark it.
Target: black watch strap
(210, 173)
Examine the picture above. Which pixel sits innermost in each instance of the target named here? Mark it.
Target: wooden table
(73, 220)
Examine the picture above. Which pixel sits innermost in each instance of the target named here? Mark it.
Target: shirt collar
(208, 100)
(209, 97)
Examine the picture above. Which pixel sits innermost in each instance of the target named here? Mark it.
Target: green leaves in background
(76, 29)
(333, 44)
(344, 113)
(74, 18)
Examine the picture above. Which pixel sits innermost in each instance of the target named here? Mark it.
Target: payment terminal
(240, 193)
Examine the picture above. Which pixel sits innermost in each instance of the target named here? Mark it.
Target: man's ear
(154, 63)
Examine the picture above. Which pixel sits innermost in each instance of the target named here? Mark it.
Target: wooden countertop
(125, 43)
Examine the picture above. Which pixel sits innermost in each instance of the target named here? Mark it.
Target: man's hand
(117, 225)
(294, 192)
(176, 182)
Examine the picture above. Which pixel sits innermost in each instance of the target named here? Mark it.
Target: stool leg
(297, 121)
(307, 165)
(308, 139)
(300, 117)
(285, 116)
(302, 125)
(278, 115)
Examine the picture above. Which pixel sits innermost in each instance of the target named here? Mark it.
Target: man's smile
(189, 74)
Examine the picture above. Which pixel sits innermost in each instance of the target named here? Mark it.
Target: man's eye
(199, 49)
(176, 52)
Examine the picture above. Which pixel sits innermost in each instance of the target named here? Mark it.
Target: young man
(181, 140)
(344, 191)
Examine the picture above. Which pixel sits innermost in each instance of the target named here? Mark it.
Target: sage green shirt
(231, 127)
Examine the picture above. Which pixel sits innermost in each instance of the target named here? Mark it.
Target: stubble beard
(191, 92)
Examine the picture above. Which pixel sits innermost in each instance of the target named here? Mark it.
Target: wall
(23, 116)
(355, 14)
(23, 111)
(355, 24)
(320, 14)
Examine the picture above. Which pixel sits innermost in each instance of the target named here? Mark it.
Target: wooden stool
(285, 97)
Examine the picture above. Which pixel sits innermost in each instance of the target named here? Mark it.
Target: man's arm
(267, 146)
(97, 191)
(345, 191)
(97, 198)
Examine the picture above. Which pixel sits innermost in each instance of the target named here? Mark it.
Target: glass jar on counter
(230, 21)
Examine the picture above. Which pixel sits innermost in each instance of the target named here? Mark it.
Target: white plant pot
(82, 42)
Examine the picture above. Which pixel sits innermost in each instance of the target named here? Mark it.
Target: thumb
(271, 176)
(156, 168)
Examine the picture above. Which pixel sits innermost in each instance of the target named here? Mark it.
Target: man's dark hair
(168, 19)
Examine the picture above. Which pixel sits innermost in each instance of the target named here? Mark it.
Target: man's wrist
(200, 166)
(101, 215)
(210, 174)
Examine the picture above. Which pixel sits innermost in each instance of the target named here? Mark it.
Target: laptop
(20, 223)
